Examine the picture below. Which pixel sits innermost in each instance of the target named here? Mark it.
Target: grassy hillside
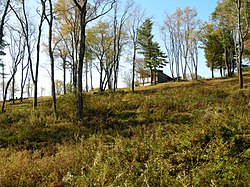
(174, 134)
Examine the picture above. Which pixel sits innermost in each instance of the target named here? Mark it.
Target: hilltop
(193, 133)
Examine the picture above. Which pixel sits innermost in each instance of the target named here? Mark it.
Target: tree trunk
(241, 46)
(151, 76)
(13, 90)
(64, 76)
(6, 89)
(83, 12)
(5, 94)
(212, 69)
(50, 22)
(35, 78)
(86, 75)
(3, 21)
(221, 73)
(91, 77)
(3, 80)
(101, 75)
(155, 75)
(133, 68)
(79, 114)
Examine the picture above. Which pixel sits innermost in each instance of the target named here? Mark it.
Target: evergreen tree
(153, 56)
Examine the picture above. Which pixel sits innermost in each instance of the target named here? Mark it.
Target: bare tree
(3, 19)
(16, 49)
(28, 33)
(127, 78)
(119, 21)
(134, 24)
(169, 32)
(2, 23)
(180, 33)
(50, 18)
(24, 74)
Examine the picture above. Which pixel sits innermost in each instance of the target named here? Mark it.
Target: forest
(191, 131)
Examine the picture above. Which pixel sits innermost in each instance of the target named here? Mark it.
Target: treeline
(226, 37)
(100, 34)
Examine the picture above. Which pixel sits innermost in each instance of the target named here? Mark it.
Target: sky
(157, 9)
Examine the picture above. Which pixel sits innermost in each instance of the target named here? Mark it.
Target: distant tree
(29, 87)
(169, 34)
(24, 75)
(62, 53)
(120, 18)
(134, 24)
(89, 57)
(28, 30)
(127, 78)
(213, 48)
(180, 33)
(59, 87)
(3, 76)
(67, 35)
(141, 71)
(150, 49)
(247, 48)
(42, 89)
(16, 49)
(99, 40)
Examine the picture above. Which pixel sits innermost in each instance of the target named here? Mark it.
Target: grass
(175, 134)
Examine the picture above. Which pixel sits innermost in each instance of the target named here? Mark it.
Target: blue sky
(157, 9)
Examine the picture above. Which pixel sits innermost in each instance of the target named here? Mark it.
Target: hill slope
(175, 134)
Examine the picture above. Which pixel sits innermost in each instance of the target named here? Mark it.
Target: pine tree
(153, 56)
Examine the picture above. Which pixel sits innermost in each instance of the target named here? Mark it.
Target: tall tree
(243, 27)
(134, 24)
(88, 13)
(28, 30)
(213, 47)
(119, 20)
(89, 57)
(50, 18)
(61, 53)
(234, 18)
(16, 48)
(3, 20)
(2, 43)
(100, 40)
(67, 34)
(224, 19)
(171, 36)
(150, 49)
(180, 33)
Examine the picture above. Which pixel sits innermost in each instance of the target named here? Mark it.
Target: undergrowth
(193, 134)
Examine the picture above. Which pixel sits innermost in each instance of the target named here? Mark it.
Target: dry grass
(174, 134)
